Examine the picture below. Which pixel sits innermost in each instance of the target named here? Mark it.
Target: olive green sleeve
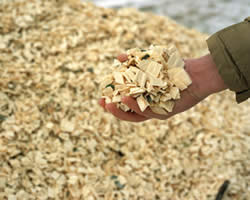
(230, 49)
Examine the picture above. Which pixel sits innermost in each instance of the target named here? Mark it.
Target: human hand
(205, 81)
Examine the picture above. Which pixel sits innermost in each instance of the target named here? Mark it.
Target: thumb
(122, 57)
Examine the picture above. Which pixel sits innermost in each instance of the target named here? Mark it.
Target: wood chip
(141, 78)
(154, 68)
(158, 110)
(174, 93)
(143, 65)
(142, 103)
(118, 77)
(136, 90)
(168, 105)
(117, 99)
(179, 77)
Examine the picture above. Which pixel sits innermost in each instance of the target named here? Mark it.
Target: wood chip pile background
(56, 142)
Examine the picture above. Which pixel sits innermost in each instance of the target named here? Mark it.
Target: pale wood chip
(157, 98)
(118, 77)
(171, 49)
(136, 90)
(175, 60)
(126, 76)
(142, 103)
(183, 75)
(154, 68)
(107, 99)
(132, 62)
(134, 69)
(117, 99)
(106, 81)
(116, 63)
(158, 110)
(67, 126)
(122, 88)
(141, 78)
(179, 77)
(165, 97)
(168, 105)
(174, 93)
(108, 91)
(116, 92)
(156, 81)
(143, 65)
(130, 74)
(124, 107)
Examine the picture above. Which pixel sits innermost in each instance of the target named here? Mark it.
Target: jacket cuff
(230, 49)
(242, 96)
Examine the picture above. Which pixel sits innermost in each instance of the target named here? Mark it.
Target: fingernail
(122, 57)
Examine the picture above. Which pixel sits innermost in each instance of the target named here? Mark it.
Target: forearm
(205, 76)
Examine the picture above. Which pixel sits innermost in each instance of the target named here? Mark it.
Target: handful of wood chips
(154, 77)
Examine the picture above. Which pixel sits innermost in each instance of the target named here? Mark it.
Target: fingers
(185, 102)
(128, 116)
(122, 57)
(132, 104)
(102, 103)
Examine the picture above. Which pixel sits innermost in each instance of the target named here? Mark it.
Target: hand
(205, 81)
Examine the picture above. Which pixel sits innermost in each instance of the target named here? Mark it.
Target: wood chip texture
(155, 73)
(56, 142)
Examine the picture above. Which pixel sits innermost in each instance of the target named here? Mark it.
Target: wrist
(205, 76)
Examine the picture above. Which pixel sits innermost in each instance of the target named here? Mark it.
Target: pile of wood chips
(154, 77)
(56, 142)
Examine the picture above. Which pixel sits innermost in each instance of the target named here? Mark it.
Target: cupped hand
(186, 101)
(205, 81)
